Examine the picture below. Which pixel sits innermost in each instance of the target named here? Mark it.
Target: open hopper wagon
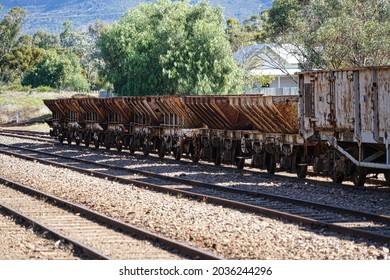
(118, 119)
(275, 138)
(261, 128)
(57, 121)
(75, 120)
(145, 123)
(95, 120)
(221, 138)
(179, 128)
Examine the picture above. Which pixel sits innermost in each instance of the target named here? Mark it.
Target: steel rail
(188, 250)
(263, 173)
(234, 204)
(378, 218)
(19, 131)
(92, 253)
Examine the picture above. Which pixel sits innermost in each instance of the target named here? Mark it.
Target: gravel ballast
(20, 242)
(226, 232)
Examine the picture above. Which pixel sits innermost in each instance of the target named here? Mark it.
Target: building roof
(269, 59)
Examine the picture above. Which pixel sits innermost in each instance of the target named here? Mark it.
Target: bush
(55, 70)
(17, 87)
(44, 89)
(78, 83)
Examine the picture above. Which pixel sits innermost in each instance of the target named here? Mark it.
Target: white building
(281, 62)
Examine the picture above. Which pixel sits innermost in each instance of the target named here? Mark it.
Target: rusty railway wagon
(222, 129)
(344, 117)
(339, 124)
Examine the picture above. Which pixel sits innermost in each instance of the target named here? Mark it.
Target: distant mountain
(49, 15)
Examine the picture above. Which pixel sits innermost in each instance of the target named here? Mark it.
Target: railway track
(99, 236)
(373, 183)
(347, 221)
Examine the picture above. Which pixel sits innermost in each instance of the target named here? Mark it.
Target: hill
(49, 15)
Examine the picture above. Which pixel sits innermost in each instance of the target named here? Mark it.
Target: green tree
(17, 54)
(10, 27)
(57, 71)
(333, 33)
(19, 60)
(249, 33)
(359, 36)
(170, 48)
(45, 40)
(94, 63)
(84, 44)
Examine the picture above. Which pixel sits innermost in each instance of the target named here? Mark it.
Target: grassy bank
(26, 107)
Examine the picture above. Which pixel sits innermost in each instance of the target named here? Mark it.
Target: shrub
(44, 89)
(17, 87)
(78, 83)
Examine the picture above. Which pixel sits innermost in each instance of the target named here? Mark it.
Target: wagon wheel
(301, 170)
(217, 155)
(107, 144)
(87, 139)
(359, 176)
(335, 175)
(316, 169)
(145, 149)
(195, 156)
(195, 150)
(69, 139)
(177, 152)
(301, 165)
(387, 177)
(131, 145)
(161, 150)
(96, 143)
(270, 163)
(119, 142)
(240, 162)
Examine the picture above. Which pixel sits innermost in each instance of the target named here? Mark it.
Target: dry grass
(40, 127)
(27, 107)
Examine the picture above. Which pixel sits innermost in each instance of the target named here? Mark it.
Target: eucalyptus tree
(333, 33)
(45, 40)
(170, 47)
(84, 44)
(19, 60)
(358, 36)
(250, 32)
(57, 71)
(10, 27)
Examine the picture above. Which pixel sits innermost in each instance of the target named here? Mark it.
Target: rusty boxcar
(346, 114)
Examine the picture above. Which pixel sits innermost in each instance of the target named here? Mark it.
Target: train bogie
(72, 126)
